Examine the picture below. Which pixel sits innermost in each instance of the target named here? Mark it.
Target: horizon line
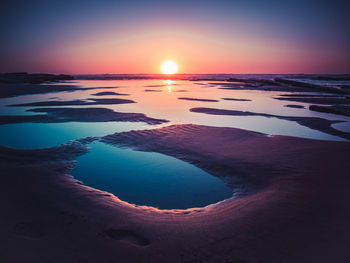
(161, 74)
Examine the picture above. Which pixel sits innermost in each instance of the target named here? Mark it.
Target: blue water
(43, 135)
(148, 178)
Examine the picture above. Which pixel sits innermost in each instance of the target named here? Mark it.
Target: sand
(153, 90)
(300, 215)
(155, 86)
(300, 83)
(37, 78)
(197, 99)
(279, 84)
(55, 115)
(12, 90)
(334, 104)
(319, 95)
(108, 93)
(229, 86)
(180, 90)
(335, 109)
(233, 99)
(315, 123)
(294, 106)
(318, 100)
(89, 101)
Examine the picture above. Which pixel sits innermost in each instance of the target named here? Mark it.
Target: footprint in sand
(127, 235)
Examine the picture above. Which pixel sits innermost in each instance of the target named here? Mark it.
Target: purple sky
(201, 36)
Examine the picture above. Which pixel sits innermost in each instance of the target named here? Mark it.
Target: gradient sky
(78, 37)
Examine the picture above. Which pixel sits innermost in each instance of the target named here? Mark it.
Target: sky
(97, 37)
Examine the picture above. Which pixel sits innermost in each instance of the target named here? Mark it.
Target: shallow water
(147, 178)
(163, 105)
(44, 135)
(150, 178)
(343, 126)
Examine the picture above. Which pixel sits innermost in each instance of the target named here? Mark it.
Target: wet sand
(261, 87)
(334, 104)
(180, 90)
(279, 84)
(36, 78)
(300, 83)
(294, 106)
(155, 86)
(197, 99)
(318, 100)
(12, 90)
(89, 101)
(335, 109)
(55, 115)
(108, 93)
(292, 207)
(315, 123)
(311, 95)
(236, 99)
(153, 90)
(299, 214)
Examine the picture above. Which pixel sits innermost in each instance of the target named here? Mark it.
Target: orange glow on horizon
(194, 54)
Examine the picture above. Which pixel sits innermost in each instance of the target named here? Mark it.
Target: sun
(168, 67)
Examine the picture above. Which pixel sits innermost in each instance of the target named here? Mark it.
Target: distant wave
(184, 76)
(314, 78)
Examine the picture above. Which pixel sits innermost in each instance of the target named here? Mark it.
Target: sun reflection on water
(169, 81)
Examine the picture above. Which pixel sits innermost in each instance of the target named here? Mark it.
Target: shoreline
(52, 217)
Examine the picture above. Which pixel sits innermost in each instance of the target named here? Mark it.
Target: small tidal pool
(148, 178)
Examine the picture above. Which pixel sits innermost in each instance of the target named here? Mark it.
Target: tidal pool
(154, 179)
(148, 178)
(161, 105)
(43, 135)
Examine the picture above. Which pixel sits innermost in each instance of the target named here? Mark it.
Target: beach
(174, 131)
(299, 214)
(290, 186)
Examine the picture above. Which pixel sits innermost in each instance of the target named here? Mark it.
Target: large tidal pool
(147, 178)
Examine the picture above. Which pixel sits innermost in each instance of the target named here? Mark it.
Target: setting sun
(168, 67)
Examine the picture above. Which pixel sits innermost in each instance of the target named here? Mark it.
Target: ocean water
(344, 79)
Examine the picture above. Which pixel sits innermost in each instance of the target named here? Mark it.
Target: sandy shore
(89, 101)
(153, 90)
(197, 99)
(294, 106)
(315, 123)
(318, 100)
(236, 99)
(12, 90)
(299, 214)
(108, 93)
(261, 87)
(56, 115)
(335, 109)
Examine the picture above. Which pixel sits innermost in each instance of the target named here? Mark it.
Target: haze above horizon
(202, 37)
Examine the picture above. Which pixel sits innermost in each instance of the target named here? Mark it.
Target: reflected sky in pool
(163, 105)
(147, 178)
(43, 135)
(154, 179)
